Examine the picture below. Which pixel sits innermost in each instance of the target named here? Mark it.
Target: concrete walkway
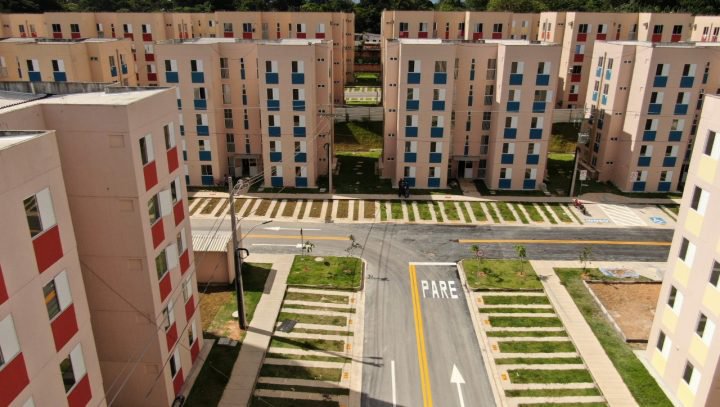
(242, 379)
(598, 363)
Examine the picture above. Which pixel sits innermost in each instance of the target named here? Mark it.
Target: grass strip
(524, 322)
(493, 212)
(307, 344)
(552, 392)
(549, 376)
(369, 210)
(500, 274)
(493, 310)
(533, 213)
(289, 208)
(342, 209)
(560, 213)
(223, 208)
(536, 347)
(332, 299)
(248, 209)
(410, 211)
(465, 213)
(520, 213)
(396, 210)
(383, 211)
(315, 209)
(356, 209)
(289, 356)
(505, 212)
(313, 319)
(300, 372)
(524, 334)
(424, 210)
(303, 207)
(642, 386)
(257, 401)
(538, 361)
(262, 208)
(478, 211)
(304, 389)
(547, 213)
(451, 211)
(438, 213)
(212, 203)
(514, 299)
(318, 308)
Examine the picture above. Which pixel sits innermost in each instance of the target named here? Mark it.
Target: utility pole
(237, 258)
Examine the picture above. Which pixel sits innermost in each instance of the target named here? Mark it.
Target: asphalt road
(395, 348)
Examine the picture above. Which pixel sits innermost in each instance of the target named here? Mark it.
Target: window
(39, 212)
(57, 295)
(154, 209)
(175, 190)
(662, 339)
(440, 66)
(56, 28)
(298, 121)
(181, 242)
(146, 149)
(712, 145)
(9, 346)
(168, 316)
(687, 252)
(705, 328)
(187, 289)
(169, 133)
(516, 67)
(301, 171)
(505, 173)
(196, 65)
(228, 115)
(192, 333)
(161, 264)
(230, 142)
(413, 66)
(583, 28)
(675, 299)
(491, 69)
(438, 94)
(297, 66)
(677, 29)
(715, 274)
(434, 172)
(175, 365)
(699, 200)
(657, 29)
(691, 376)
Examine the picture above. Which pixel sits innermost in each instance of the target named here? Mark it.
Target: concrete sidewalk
(239, 389)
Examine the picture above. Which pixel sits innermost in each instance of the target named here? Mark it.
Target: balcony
(228, 34)
(594, 96)
(34, 76)
(529, 184)
(301, 35)
(298, 78)
(440, 78)
(274, 131)
(535, 134)
(202, 130)
(404, 34)
(275, 156)
(510, 132)
(669, 161)
(681, 109)
(320, 36)
(598, 71)
(247, 35)
(638, 186)
(410, 157)
(532, 159)
(422, 34)
(205, 155)
(410, 181)
(675, 135)
(436, 132)
(207, 180)
(654, 108)
(608, 74)
(507, 158)
(411, 131)
(300, 157)
(129, 36)
(273, 105)
(60, 76)
(301, 182)
(516, 79)
(435, 157)
(299, 131)
(603, 100)
(438, 105)
(412, 105)
(649, 135)
(57, 35)
(538, 107)
(272, 78)
(644, 161)
(513, 106)
(14, 378)
(664, 186)
(504, 183)
(123, 69)
(413, 78)
(660, 81)
(497, 35)
(542, 80)
(578, 57)
(197, 77)
(687, 81)
(200, 104)
(276, 181)
(298, 105)
(75, 35)
(433, 182)
(171, 77)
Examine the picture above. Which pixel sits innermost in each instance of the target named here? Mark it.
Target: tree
(476, 251)
(522, 255)
(450, 5)
(585, 257)
(517, 6)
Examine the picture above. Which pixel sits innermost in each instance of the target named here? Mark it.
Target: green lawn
(493, 213)
(492, 274)
(290, 307)
(549, 376)
(524, 322)
(424, 210)
(369, 210)
(315, 209)
(313, 319)
(560, 212)
(438, 214)
(559, 170)
(223, 208)
(396, 210)
(552, 392)
(299, 372)
(525, 334)
(642, 386)
(517, 299)
(289, 209)
(536, 347)
(358, 136)
(520, 213)
(211, 205)
(301, 212)
(383, 211)
(494, 310)
(357, 175)
(466, 214)
(478, 211)
(342, 273)
(533, 212)
(342, 209)
(451, 211)
(537, 361)
(563, 138)
(304, 389)
(505, 212)
(547, 213)
(307, 344)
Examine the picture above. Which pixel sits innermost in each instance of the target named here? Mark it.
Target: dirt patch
(216, 307)
(632, 306)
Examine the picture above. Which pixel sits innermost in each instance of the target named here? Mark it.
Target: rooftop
(8, 99)
(438, 41)
(55, 41)
(112, 96)
(210, 242)
(9, 138)
(205, 40)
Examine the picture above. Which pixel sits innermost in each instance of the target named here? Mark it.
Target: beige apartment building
(252, 109)
(644, 100)
(683, 348)
(144, 30)
(468, 110)
(120, 163)
(47, 350)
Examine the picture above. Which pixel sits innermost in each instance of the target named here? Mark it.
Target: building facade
(683, 347)
(121, 167)
(468, 110)
(47, 349)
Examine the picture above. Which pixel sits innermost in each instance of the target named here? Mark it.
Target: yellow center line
(561, 241)
(296, 237)
(420, 338)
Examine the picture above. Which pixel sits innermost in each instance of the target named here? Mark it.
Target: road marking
(298, 246)
(457, 378)
(439, 289)
(392, 377)
(295, 237)
(560, 241)
(420, 339)
(430, 263)
(278, 228)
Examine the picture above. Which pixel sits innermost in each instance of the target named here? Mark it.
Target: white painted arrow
(297, 246)
(278, 228)
(457, 378)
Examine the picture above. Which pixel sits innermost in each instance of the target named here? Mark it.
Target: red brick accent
(14, 379)
(178, 382)
(150, 174)
(165, 286)
(3, 289)
(184, 261)
(179, 212)
(173, 159)
(64, 327)
(48, 248)
(171, 335)
(158, 233)
(81, 395)
(189, 308)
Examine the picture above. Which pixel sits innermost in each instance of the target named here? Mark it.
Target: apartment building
(468, 110)
(144, 30)
(252, 109)
(644, 102)
(47, 350)
(74, 60)
(121, 169)
(683, 348)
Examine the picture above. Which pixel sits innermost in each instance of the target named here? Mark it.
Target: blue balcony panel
(435, 157)
(532, 159)
(274, 131)
(594, 96)
(644, 161)
(197, 77)
(608, 74)
(413, 78)
(436, 132)
(113, 71)
(664, 186)
(516, 79)
(638, 186)
(271, 78)
(675, 135)
(440, 78)
(301, 182)
(603, 99)
(513, 106)
(433, 182)
(205, 155)
(202, 130)
(660, 81)
(438, 105)
(687, 81)
(410, 181)
(510, 133)
(273, 105)
(649, 135)
(60, 76)
(171, 77)
(504, 183)
(654, 108)
(598, 71)
(529, 184)
(300, 157)
(507, 158)
(412, 105)
(542, 80)
(200, 104)
(535, 134)
(669, 161)
(681, 109)
(123, 69)
(411, 131)
(538, 107)
(275, 156)
(207, 180)
(299, 131)
(410, 157)
(276, 181)
(34, 76)
(596, 147)
(298, 105)
(298, 78)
